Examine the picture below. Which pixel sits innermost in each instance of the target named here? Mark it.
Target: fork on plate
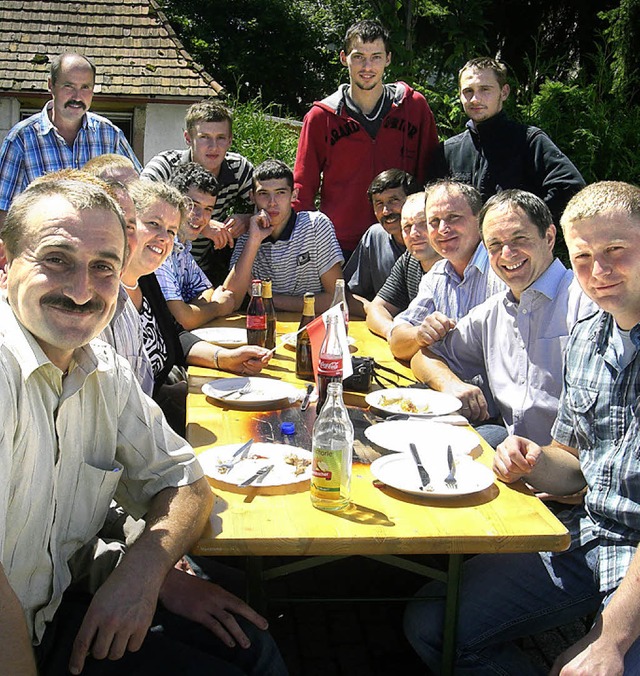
(450, 479)
(245, 389)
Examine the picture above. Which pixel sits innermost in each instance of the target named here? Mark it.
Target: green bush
(259, 137)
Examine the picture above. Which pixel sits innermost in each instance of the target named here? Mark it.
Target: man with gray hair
(403, 282)
(594, 444)
(63, 135)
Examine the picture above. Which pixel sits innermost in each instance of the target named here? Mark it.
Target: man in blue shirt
(514, 340)
(594, 444)
(454, 285)
(190, 296)
(64, 135)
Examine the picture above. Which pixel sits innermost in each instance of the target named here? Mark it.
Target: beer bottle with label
(332, 448)
(304, 364)
(339, 296)
(256, 317)
(330, 361)
(270, 311)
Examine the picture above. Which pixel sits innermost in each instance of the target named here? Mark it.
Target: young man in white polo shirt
(299, 252)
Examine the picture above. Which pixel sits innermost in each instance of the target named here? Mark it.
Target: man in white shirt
(78, 432)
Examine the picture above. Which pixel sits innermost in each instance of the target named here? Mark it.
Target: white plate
(400, 471)
(269, 454)
(291, 339)
(395, 435)
(226, 336)
(263, 391)
(428, 402)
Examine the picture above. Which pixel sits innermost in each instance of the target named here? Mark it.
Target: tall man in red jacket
(359, 131)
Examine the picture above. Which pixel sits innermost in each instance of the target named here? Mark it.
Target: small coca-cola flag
(317, 329)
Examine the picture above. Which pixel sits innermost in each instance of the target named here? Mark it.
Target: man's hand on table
(515, 458)
(434, 327)
(247, 360)
(210, 605)
(117, 620)
(592, 655)
(474, 405)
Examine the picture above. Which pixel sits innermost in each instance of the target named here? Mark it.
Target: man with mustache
(63, 135)
(78, 432)
(381, 245)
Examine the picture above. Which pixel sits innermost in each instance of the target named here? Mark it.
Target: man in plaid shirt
(594, 446)
(63, 135)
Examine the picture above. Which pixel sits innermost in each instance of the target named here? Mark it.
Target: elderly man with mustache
(63, 135)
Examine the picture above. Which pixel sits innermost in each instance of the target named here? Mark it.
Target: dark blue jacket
(499, 153)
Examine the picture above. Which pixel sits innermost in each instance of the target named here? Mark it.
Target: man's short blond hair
(80, 189)
(600, 198)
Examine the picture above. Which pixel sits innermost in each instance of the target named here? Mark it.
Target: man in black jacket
(495, 153)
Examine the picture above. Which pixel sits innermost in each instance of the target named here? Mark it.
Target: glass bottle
(270, 311)
(304, 363)
(332, 449)
(329, 361)
(339, 296)
(256, 317)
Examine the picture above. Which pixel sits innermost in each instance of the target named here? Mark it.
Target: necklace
(130, 288)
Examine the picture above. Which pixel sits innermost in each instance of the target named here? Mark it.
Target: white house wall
(164, 128)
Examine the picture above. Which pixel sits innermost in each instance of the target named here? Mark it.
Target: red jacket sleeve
(310, 159)
(428, 139)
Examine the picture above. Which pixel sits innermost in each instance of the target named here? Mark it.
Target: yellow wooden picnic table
(381, 522)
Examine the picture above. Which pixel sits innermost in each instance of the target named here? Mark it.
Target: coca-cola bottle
(330, 361)
(304, 363)
(270, 311)
(256, 317)
(339, 296)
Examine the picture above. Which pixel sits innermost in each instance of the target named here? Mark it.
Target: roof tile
(134, 48)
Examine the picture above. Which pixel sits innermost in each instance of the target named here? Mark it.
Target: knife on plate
(258, 477)
(424, 475)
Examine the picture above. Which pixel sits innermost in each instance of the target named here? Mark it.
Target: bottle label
(330, 366)
(257, 322)
(326, 473)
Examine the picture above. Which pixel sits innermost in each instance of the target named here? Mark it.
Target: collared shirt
(403, 283)
(34, 148)
(517, 348)
(124, 334)
(369, 265)
(68, 445)
(442, 289)
(306, 249)
(599, 414)
(180, 277)
(234, 182)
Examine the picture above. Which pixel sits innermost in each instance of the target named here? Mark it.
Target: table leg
(256, 595)
(454, 581)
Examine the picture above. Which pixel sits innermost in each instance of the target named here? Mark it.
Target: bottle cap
(288, 428)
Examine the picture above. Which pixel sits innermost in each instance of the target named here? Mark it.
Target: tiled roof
(135, 50)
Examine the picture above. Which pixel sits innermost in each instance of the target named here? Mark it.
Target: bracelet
(216, 353)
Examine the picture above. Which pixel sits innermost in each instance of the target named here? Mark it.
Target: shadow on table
(472, 500)
(364, 515)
